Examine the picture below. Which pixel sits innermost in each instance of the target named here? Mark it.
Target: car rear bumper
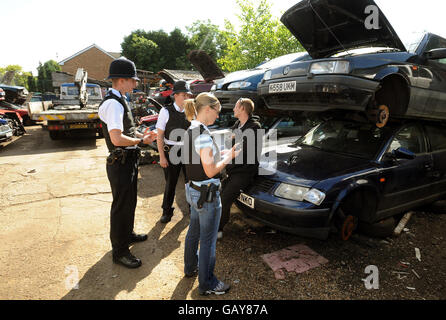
(321, 93)
(312, 223)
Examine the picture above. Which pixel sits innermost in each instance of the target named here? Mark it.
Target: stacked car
(380, 146)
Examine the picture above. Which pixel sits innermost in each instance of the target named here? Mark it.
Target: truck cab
(69, 91)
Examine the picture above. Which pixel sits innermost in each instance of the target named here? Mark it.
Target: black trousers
(171, 174)
(123, 181)
(231, 187)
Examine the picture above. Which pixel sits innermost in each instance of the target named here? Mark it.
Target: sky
(36, 31)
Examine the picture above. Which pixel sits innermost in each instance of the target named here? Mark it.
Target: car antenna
(332, 33)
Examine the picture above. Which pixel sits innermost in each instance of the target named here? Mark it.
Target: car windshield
(412, 42)
(345, 137)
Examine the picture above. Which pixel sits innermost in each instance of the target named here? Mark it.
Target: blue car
(240, 84)
(243, 84)
(5, 131)
(347, 174)
(368, 72)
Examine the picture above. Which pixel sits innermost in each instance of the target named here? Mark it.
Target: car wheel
(345, 224)
(380, 115)
(381, 229)
(390, 100)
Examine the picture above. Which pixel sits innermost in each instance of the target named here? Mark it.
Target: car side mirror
(402, 153)
(436, 54)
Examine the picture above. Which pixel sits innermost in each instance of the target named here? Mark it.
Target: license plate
(246, 200)
(289, 86)
(78, 126)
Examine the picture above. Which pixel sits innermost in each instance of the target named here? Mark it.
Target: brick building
(93, 59)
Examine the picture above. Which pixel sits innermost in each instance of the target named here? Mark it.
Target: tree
(261, 37)
(44, 77)
(156, 50)
(203, 35)
(21, 78)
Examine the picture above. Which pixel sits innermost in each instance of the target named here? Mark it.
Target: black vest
(177, 120)
(128, 122)
(192, 160)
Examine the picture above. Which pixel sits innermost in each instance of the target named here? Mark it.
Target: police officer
(171, 126)
(122, 163)
(204, 162)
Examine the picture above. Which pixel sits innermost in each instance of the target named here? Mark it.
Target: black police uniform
(177, 120)
(122, 172)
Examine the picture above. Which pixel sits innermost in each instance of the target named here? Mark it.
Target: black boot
(167, 215)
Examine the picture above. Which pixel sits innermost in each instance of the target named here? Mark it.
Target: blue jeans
(203, 230)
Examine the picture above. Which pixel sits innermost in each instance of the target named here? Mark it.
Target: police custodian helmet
(181, 86)
(122, 68)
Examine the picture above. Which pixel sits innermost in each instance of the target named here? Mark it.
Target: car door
(432, 81)
(405, 182)
(436, 135)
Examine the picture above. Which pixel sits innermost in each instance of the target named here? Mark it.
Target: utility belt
(208, 192)
(121, 155)
(168, 147)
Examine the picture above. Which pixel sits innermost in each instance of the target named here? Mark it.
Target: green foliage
(21, 78)
(203, 35)
(44, 78)
(261, 37)
(156, 50)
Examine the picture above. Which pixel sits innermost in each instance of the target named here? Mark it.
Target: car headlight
(291, 192)
(330, 67)
(239, 85)
(315, 196)
(267, 75)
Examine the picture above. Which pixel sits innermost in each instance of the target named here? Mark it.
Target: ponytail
(193, 106)
(190, 110)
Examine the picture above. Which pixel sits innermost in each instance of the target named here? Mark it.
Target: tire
(381, 229)
(390, 100)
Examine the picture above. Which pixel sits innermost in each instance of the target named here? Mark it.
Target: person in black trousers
(171, 125)
(122, 164)
(246, 166)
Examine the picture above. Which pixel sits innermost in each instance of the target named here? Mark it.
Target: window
(437, 137)
(409, 138)
(289, 127)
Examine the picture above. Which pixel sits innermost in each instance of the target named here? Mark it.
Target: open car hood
(205, 65)
(327, 27)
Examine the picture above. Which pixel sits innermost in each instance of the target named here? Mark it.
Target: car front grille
(263, 184)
